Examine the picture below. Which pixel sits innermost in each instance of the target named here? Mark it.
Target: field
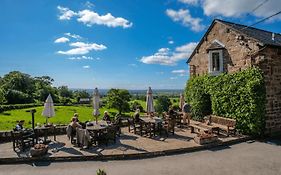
(8, 119)
(63, 116)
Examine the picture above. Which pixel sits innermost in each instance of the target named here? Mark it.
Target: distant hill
(174, 92)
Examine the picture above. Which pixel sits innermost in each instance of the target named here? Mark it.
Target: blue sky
(128, 44)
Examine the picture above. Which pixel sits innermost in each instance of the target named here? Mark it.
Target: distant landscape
(156, 92)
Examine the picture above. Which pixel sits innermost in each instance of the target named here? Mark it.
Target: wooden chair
(111, 134)
(130, 124)
(169, 126)
(22, 139)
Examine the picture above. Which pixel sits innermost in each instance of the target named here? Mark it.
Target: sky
(129, 44)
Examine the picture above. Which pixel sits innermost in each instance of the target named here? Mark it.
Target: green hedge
(17, 106)
(240, 96)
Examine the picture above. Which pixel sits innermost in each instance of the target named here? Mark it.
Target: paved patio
(127, 143)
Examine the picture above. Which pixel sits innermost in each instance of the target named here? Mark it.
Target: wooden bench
(225, 124)
(198, 127)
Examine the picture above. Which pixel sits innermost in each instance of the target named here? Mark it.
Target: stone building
(229, 47)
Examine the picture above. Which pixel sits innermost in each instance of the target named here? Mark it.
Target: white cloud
(62, 40)
(186, 19)
(180, 72)
(86, 67)
(90, 18)
(82, 48)
(65, 13)
(73, 35)
(190, 2)
(81, 58)
(166, 57)
(238, 8)
(171, 42)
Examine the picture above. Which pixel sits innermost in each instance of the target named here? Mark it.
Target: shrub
(162, 104)
(18, 106)
(118, 99)
(198, 97)
(101, 172)
(240, 96)
(136, 105)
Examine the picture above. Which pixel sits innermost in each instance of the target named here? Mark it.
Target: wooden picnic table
(100, 125)
(96, 129)
(154, 120)
(46, 130)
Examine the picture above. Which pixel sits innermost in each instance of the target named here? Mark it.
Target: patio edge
(18, 160)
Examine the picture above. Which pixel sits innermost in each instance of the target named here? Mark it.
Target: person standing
(186, 113)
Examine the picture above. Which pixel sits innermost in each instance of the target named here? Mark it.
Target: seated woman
(106, 117)
(76, 115)
(137, 116)
(74, 123)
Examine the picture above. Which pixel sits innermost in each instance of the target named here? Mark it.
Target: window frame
(210, 53)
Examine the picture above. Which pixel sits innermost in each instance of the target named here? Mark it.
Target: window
(215, 62)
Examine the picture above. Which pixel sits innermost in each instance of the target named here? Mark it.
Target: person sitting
(106, 117)
(172, 114)
(137, 116)
(76, 115)
(19, 126)
(74, 123)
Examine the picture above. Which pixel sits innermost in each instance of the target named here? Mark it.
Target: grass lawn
(63, 116)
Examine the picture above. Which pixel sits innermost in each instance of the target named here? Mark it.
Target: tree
(18, 87)
(44, 87)
(43, 81)
(162, 104)
(80, 94)
(136, 105)
(118, 99)
(65, 92)
(2, 96)
(18, 81)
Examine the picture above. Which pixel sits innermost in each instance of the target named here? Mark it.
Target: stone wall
(270, 63)
(236, 53)
(6, 136)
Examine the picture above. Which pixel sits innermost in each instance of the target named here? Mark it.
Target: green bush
(162, 104)
(17, 106)
(240, 96)
(198, 97)
(134, 105)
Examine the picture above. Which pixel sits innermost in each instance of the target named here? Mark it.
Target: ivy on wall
(240, 96)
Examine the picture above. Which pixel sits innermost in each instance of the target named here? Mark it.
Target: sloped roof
(260, 35)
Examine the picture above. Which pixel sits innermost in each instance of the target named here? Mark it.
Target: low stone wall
(6, 136)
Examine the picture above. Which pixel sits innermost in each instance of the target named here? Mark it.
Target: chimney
(273, 36)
